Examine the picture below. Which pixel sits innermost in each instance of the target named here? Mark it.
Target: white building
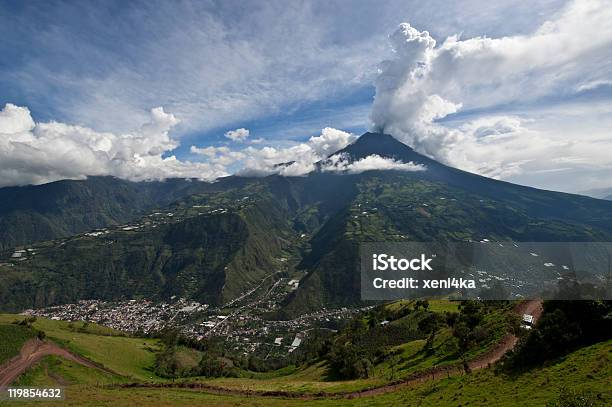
(528, 321)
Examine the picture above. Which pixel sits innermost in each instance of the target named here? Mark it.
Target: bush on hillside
(563, 327)
(569, 398)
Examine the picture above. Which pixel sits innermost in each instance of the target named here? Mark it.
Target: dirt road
(32, 352)
(508, 342)
(533, 307)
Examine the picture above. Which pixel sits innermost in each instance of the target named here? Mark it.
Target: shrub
(568, 398)
(563, 327)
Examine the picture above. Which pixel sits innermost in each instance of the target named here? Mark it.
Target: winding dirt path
(508, 342)
(31, 353)
(34, 350)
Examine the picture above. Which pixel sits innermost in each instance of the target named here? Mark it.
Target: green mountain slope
(210, 248)
(582, 374)
(59, 209)
(441, 204)
(224, 237)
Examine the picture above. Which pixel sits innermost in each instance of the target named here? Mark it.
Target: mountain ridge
(320, 219)
(63, 208)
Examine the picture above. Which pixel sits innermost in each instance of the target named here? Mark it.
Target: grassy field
(311, 379)
(12, 338)
(134, 357)
(130, 357)
(587, 370)
(411, 358)
(403, 360)
(187, 358)
(434, 305)
(54, 370)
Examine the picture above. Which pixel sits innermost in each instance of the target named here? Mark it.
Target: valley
(250, 287)
(309, 203)
(405, 375)
(227, 238)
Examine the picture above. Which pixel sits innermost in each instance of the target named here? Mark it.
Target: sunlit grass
(130, 357)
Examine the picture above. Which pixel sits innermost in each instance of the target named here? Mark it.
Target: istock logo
(383, 262)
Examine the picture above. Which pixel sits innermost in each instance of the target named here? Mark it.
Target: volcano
(223, 239)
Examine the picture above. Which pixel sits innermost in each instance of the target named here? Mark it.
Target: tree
(563, 327)
(429, 344)
(347, 363)
(373, 322)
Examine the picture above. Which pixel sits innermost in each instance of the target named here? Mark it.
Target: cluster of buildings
(243, 327)
(133, 316)
(242, 322)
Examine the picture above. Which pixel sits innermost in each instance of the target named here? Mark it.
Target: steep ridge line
(32, 352)
(508, 342)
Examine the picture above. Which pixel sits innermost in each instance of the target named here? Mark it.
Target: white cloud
(220, 67)
(35, 153)
(425, 82)
(213, 62)
(296, 169)
(590, 85)
(207, 151)
(238, 134)
(219, 155)
(15, 120)
(342, 163)
(330, 141)
(298, 159)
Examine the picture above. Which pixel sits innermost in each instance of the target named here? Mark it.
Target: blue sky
(105, 64)
(283, 70)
